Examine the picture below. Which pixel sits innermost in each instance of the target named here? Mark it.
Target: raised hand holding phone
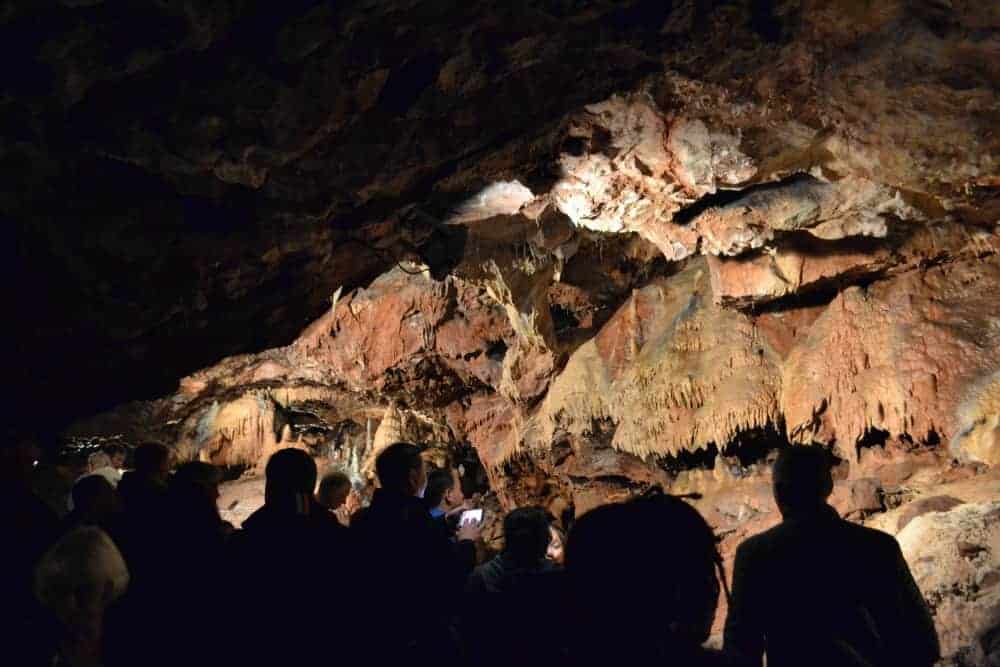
(470, 525)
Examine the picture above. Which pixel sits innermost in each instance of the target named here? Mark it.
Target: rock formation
(603, 245)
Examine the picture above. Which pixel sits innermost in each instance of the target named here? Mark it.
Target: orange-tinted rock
(671, 370)
(805, 263)
(899, 356)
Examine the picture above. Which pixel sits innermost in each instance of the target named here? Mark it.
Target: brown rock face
(908, 351)
(580, 248)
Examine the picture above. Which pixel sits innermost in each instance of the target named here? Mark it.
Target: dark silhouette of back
(414, 572)
(30, 527)
(292, 570)
(143, 488)
(523, 625)
(183, 575)
(818, 590)
(642, 584)
(95, 503)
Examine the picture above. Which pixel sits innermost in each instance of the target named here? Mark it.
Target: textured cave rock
(592, 247)
(909, 351)
(193, 180)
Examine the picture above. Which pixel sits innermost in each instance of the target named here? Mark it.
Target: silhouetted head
(193, 492)
(152, 460)
(333, 490)
(526, 535)
(94, 498)
(290, 472)
(659, 549)
(401, 470)
(802, 479)
(439, 483)
(198, 475)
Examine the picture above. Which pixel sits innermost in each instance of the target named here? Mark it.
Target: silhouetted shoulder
(765, 541)
(864, 537)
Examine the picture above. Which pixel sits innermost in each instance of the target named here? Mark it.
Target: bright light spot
(500, 198)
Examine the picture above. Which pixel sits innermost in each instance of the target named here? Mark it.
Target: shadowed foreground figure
(529, 609)
(414, 571)
(291, 573)
(642, 585)
(818, 590)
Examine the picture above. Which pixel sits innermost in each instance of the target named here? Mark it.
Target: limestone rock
(671, 370)
(804, 263)
(908, 350)
(955, 559)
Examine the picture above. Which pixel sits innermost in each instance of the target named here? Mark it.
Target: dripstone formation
(604, 245)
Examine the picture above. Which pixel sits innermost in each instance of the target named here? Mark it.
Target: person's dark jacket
(31, 528)
(819, 591)
(503, 574)
(529, 609)
(142, 496)
(414, 572)
(291, 574)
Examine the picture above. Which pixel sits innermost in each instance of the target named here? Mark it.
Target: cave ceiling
(196, 181)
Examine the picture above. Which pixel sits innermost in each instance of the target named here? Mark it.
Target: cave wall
(604, 244)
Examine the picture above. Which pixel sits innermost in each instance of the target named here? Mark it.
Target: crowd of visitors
(144, 571)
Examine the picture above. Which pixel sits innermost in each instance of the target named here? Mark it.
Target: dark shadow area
(756, 446)
(702, 459)
(872, 437)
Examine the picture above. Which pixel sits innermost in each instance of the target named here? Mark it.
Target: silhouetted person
(526, 540)
(143, 488)
(53, 480)
(180, 572)
(95, 503)
(77, 579)
(818, 590)
(193, 518)
(643, 584)
(415, 572)
(193, 497)
(292, 559)
(29, 528)
(529, 612)
(143, 494)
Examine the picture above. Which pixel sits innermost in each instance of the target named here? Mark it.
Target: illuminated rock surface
(589, 246)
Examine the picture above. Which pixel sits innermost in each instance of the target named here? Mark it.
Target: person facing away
(642, 583)
(415, 571)
(819, 590)
(77, 580)
(529, 609)
(523, 560)
(143, 488)
(290, 558)
(95, 503)
(30, 528)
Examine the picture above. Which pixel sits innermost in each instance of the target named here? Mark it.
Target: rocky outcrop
(671, 370)
(193, 181)
(953, 555)
(606, 245)
(907, 351)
